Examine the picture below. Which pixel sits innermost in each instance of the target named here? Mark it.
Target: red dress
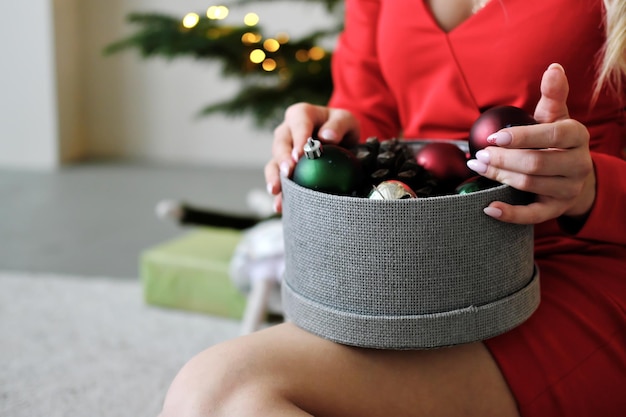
(402, 75)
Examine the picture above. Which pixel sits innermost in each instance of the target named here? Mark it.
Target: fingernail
(493, 212)
(555, 65)
(483, 156)
(284, 168)
(500, 138)
(275, 205)
(477, 166)
(269, 188)
(328, 134)
(294, 155)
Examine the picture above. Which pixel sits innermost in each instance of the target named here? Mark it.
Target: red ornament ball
(445, 161)
(494, 119)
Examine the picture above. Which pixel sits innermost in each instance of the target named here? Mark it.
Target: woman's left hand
(550, 159)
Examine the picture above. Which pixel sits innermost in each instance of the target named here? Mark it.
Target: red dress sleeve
(606, 221)
(358, 83)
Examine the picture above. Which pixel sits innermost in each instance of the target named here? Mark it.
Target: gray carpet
(71, 346)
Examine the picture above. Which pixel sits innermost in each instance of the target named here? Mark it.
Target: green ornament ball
(329, 168)
(474, 184)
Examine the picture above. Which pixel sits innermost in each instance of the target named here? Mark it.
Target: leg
(285, 371)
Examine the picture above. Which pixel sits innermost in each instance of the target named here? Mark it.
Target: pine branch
(292, 76)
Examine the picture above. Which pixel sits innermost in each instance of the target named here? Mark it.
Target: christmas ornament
(328, 168)
(474, 184)
(491, 121)
(391, 190)
(446, 162)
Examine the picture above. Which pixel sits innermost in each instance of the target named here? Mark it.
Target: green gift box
(192, 273)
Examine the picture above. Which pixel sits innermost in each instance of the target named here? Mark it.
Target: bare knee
(225, 380)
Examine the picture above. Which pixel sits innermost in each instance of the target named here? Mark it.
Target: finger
(278, 203)
(552, 105)
(283, 144)
(272, 177)
(532, 213)
(559, 188)
(562, 134)
(542, 162)
(291, 135)
(301, 122)
(341, 127)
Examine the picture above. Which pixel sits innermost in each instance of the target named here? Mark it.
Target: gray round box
(405, 274)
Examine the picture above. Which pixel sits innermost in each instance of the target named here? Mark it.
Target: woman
(426, 69)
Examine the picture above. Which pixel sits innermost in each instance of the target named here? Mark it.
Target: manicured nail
(483, 156)
(328, 134)
(500, 138)
(275, 205)
(493, 212)
(555, 65)
(477, 166)
(284, 169)
(294, 155)
(269, 188)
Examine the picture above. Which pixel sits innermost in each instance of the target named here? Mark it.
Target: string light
(269, 65)
(250, 38)
(251, 19)
(257, 56)
(282, 38)
(190, 20)
(271, 45)
(217, 12)
(316, 53)
(302, 55)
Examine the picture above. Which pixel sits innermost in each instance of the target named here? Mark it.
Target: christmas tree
(275, 70)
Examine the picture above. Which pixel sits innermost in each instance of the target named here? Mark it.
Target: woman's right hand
(302, 121)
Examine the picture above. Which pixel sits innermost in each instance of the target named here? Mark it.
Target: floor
(94, 219)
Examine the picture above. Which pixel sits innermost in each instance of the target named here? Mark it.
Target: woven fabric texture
(403, 274)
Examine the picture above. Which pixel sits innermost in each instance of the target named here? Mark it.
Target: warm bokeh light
(249, 38)
(257, 56)
(316, 53)
(190, 20)
(271, 45)
(217, 12)
(269, 64)
(302, 55)
(251, 19)
(282, 38)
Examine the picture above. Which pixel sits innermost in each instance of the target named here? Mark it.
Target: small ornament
(328, 168)
(391, 190)
(446, 162)
(476, 183)
(491, 121)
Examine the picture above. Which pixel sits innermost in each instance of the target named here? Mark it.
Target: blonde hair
(612, 66)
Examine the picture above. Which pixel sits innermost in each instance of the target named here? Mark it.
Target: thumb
(552, 105)
(340, 127)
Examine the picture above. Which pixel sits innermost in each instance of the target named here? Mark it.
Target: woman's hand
(550, 159)
(302, 121)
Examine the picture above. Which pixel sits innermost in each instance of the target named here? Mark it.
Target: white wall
(147, 108)
(28, 117)
(62, 100)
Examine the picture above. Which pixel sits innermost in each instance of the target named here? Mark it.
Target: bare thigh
(289, 369)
